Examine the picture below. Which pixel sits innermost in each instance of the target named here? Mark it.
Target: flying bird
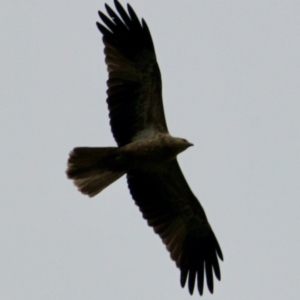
(146, 151)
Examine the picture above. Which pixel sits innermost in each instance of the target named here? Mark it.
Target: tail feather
(91, 169)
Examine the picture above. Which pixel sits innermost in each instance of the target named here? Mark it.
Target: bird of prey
(146, 152)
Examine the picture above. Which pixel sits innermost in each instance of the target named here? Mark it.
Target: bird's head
(180, 145)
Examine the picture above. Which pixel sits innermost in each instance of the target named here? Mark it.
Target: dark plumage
(146, 151)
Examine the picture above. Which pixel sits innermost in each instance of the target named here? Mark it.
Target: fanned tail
(92, 169)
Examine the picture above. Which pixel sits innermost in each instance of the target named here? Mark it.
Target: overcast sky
(230, 73)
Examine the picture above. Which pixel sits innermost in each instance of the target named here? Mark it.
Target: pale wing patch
(145, 134)
(119, 66)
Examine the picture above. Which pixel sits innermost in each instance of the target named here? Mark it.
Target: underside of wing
(134, 84)
(167, 203)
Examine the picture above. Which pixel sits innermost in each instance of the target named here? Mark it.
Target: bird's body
(152, 152)
(146, 151)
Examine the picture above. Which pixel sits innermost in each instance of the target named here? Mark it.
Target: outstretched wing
(170, 207)
(134, 84)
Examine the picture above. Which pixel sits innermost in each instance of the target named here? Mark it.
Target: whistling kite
(146, 151)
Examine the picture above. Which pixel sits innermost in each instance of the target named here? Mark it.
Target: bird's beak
(190, 144)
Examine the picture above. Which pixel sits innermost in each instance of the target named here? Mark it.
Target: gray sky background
(230, 74)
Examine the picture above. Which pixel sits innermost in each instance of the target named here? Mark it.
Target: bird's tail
(92, 169)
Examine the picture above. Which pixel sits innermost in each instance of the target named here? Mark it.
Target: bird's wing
(170, 207)
(134, 84)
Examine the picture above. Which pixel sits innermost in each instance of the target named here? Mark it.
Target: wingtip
(211, 287)
(99, 26)
(219, 252)
(117, 4)
(100, 13)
